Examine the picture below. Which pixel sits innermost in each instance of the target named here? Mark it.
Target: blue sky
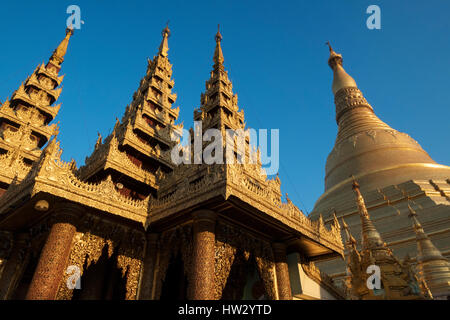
(276, 57)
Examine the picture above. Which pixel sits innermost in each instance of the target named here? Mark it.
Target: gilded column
(14, 265)
(201, 280)
(55, 253)
(147, 281)
(281, 268)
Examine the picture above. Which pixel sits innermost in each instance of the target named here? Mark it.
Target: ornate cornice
(189, 185)
(53, 176)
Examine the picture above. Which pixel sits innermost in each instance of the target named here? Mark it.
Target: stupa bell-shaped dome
(366, 147)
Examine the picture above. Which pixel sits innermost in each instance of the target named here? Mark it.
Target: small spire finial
(218, 35)
(334, 58)
(355, 184)
(218, 55)
(164, 47)
(59, 53)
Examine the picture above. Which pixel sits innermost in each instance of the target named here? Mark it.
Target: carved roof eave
(33, 81)
(9, 172)
(51, 110)
(32, 155)
(43, 70)
(220, 102)
(118, 164)
(46, 131)
(146, 150)
(56, 178)
(229, 182)
(156, 134)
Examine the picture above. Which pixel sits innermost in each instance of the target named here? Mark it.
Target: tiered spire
(140, 144)
(434, 269)
(25, 118)
(219, 108)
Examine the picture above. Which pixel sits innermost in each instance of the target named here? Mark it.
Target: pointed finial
(164, 47)
(218, 55)
(335, 219)
(335, 58)
(355, 184)
(59, 53)
(218, 35)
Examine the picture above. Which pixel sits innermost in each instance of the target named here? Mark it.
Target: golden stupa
(391, 168)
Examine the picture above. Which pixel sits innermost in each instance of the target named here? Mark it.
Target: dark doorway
(102, 280)
(25, 281)
(244, 281)
(175, 283)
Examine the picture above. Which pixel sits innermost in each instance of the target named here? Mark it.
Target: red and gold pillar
(281, 268)
(201, 280)
(55, 253)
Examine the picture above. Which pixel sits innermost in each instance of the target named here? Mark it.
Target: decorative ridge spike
(349, 238)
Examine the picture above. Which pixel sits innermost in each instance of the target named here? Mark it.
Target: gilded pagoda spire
(58, 55)
(434, 269)
(370, 236)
